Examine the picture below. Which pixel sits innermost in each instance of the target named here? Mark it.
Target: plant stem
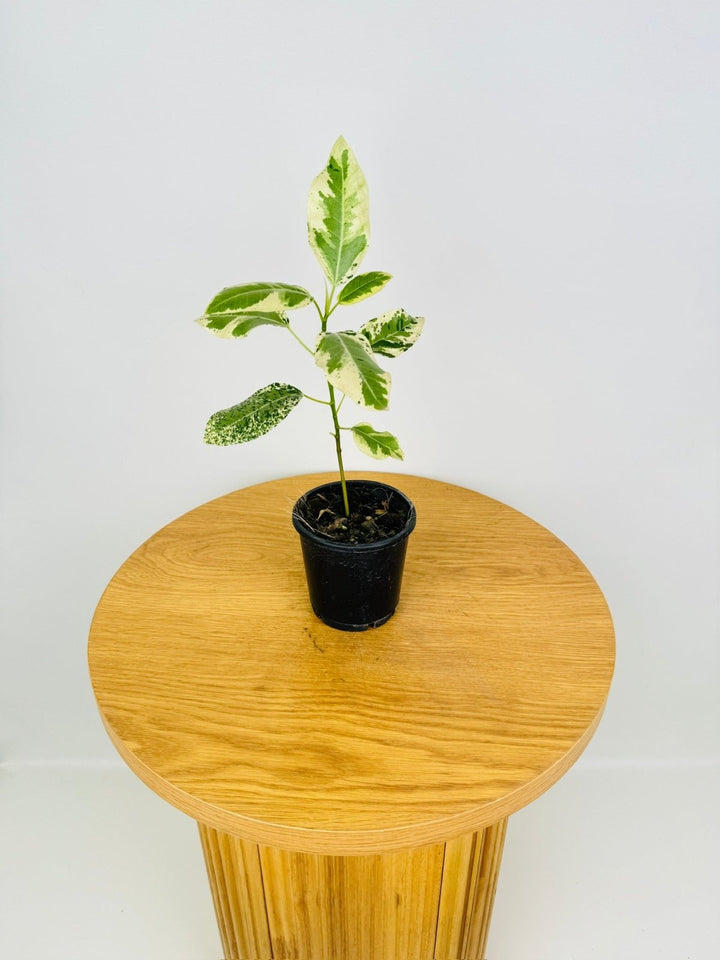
(324, 315)
(325, 403)
(301, 342)
(338, 450)
(329, 294)
(317, 307)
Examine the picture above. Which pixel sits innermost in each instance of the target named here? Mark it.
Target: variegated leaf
(392, 333)
(363, 286)
(348, 363)
(339, 215)
(252, 418)
(262, 297)
(229, 324)
(376, 443)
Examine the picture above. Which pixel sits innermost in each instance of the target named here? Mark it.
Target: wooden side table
(352, 789)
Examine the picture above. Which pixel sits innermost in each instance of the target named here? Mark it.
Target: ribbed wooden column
(429, 903)
(467, 893)
(236, 881)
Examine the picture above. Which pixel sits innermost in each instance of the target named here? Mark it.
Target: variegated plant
(339, 232)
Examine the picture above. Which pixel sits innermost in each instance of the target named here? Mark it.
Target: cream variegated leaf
(261, 297)
(378, 444)
(229, 324)
(338, 215)
(392, 333)
(363, 286)
(347, 361)
(253, 417)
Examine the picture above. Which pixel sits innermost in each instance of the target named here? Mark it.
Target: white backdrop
(543, 182)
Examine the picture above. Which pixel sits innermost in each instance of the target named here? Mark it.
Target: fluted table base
(428, 903)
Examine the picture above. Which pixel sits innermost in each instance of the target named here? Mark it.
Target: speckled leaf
(363, 286)
(262, 297)
(375, 443)
(252, 418)
(392, 333)
(230, 324)
(338, 215)
(348, 363)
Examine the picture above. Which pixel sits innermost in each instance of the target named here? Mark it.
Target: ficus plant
(338, 232)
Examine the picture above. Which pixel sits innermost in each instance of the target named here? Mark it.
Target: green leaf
(363, 286)
(347, 361)
(230, 324)
(263, 297)
(393, 333)
(252, 418)
(338, 215)
(376, 443)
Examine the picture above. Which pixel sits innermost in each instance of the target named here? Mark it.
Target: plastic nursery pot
(354, 586)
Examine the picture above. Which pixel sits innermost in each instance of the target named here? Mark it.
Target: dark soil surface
(376, 513)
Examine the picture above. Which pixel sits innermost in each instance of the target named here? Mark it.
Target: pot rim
(305, 531)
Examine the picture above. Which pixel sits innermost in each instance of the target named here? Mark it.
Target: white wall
(544, 188)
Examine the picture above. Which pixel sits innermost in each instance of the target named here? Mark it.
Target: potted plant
(353, 532)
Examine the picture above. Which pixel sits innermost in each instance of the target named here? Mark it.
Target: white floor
(612, 863)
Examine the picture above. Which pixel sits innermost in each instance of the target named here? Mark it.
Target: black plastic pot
(354, 586)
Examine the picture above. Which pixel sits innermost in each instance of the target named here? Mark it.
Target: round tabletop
(224, 693)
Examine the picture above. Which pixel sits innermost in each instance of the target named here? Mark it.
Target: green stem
(301, 342)
(338, 450)
(317, 307)
(329, 294)
(325, 403)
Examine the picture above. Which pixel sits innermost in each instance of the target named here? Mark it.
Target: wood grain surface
(428, 903)
(225, 694)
